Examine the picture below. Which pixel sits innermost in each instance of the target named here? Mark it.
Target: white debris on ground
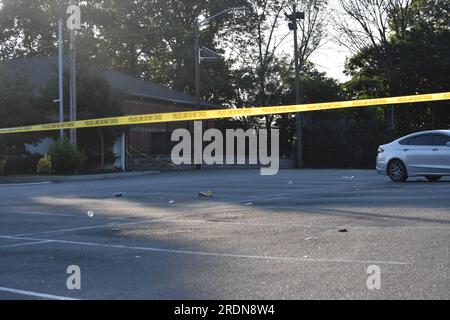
(205, 194)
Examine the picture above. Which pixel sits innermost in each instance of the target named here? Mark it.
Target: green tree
(65, 157)
(317, 88)
(95, 99)
(28, 27)
(260, 69)
(18, 107)
(150, 39)
(3, 154)
(420, 63)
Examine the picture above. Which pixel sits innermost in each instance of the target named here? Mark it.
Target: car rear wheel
(433, 178)
(397, 171)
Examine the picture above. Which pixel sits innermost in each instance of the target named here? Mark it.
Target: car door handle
(435, 149)
(405, 150)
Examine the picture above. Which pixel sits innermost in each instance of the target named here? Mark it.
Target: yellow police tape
(225, 113)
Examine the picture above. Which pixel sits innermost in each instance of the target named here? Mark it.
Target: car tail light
(380, 150)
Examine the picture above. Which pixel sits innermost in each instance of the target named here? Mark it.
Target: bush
(21, 163)
(3, 155)
(3, 165)
(44, 165)
(65, 157)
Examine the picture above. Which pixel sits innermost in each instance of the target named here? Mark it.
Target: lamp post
(73, 24)
(293, 18)
(60, 76)
(198, 58)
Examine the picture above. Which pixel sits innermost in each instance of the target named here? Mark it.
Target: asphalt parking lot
(256, 238)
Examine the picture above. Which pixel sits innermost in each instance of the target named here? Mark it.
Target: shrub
(21, 163)
(44, 165)
(3, 155)
(65, 157)
(3, 165)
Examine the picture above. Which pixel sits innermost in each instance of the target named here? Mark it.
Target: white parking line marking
(213, 254)
(38, 213)
(25, 244)
(299, 225)
(35, 294)
(200, 210)
(6, 185)
(117, 224)
(81, 215)
(75, 229)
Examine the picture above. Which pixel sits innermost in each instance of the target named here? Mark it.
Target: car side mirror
(448, 144)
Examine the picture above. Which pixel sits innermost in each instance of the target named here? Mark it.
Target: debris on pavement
(343, 230)
(205, 194)
(171, 201)
(90, 214)
(310, 238)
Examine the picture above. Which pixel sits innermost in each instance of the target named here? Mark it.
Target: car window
(404, 142)
(440, 139)
(422, 140)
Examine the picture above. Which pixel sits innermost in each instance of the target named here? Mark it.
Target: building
(141, 97)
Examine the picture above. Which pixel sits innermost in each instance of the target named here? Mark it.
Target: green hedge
(66, 158)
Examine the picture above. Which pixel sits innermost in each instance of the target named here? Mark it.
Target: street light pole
(294, 17)
(73, 81)
(297, 66)
(197, 26)
(298, 100)
(197, 62)
(60, 75)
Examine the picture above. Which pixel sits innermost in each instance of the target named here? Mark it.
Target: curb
(103, 176)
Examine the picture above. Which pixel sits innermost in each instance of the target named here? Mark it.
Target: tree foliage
(95, 99)
(65, 157)
(419, 63)
(18, 107)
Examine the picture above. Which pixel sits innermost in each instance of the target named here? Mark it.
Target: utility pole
(197, 61)
(73, 24)
(60, 76)
(293, 18)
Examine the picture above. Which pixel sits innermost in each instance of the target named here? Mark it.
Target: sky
(331, 56)
(331, 59)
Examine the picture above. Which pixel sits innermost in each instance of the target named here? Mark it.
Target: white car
(420, 154)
